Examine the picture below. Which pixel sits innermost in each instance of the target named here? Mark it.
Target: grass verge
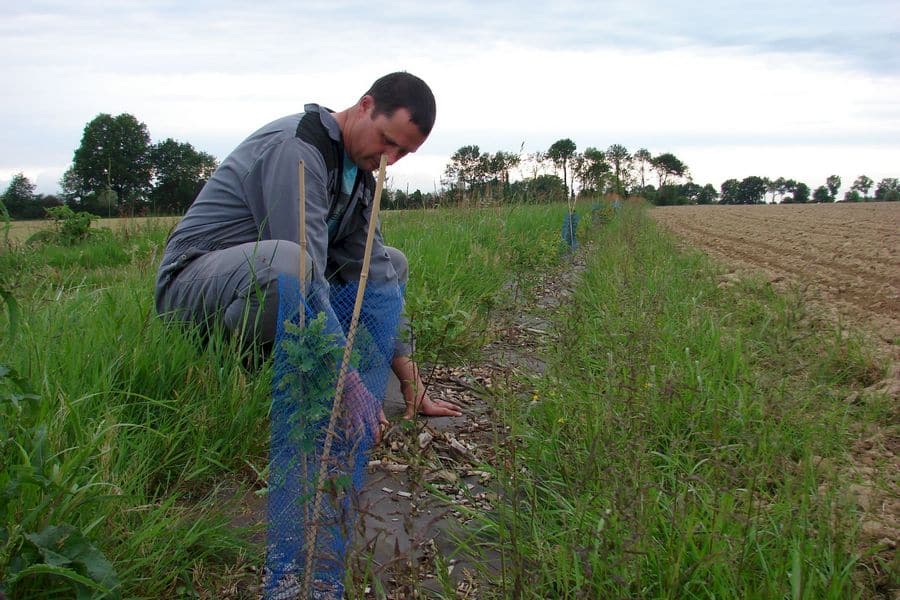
(116, 431)
(682, 441)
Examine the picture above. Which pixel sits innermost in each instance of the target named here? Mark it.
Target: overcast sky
(801, 89)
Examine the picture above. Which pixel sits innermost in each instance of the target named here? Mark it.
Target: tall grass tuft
(126, 430)
(465, 264)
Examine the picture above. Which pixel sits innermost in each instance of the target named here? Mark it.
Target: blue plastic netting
(569, 230)
(307, 362)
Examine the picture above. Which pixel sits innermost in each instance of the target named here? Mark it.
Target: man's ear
(366, 103)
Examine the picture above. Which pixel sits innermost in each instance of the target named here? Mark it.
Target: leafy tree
(888, 189)
(179, 172)
(418, 200)
(502, 162)
(730, 191)
(774, 187)
(546, 188)
(668, 165)
(560, 152)
(852, 196)
(72, 191)
(395, 199)
(496, 167)
(670, 195)
(19, 197)
(465, 167)
(822, 194)
(801, 193)
(642, 160)
(752, 190)
(593, 170)
(618, 157)
(862, 185)
(786, 186)
(833, 183)
(707, 195)
(114, 153)
(577, 166)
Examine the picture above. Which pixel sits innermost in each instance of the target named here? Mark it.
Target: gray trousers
(238, 287)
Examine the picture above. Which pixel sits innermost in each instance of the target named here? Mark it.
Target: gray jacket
(253, 195)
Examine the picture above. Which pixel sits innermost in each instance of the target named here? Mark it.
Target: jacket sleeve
(272, 192)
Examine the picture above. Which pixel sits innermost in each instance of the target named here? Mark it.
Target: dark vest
(311, 130)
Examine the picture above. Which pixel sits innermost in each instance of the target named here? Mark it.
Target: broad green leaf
(64, 545)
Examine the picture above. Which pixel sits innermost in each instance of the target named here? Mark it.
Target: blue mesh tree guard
(315, 474)
(569, 230)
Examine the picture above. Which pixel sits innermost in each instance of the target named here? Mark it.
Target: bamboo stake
(301, 176)
(313, 526)
(301, 225)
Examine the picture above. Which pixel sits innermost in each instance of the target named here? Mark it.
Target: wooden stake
(313, 525)
(301, 176)
(301, 305)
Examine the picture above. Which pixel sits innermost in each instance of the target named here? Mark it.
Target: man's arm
(413, 390)
(272, 192)
(273, 188)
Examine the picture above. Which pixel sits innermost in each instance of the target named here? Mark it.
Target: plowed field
(845, 256)
(845, 259)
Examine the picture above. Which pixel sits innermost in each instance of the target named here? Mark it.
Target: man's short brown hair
(404, 90)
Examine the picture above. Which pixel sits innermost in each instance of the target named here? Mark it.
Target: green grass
(119, 431)
(137, 421)
(464, 264)
(673, 449)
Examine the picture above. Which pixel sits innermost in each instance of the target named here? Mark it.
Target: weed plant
(676, 446)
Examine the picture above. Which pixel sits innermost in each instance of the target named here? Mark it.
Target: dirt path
(426, 477)
(427, 474)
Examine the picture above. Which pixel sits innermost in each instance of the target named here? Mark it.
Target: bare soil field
(844, 256)
(20, 231)
(844, 259)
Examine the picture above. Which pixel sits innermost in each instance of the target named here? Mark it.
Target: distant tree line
(754, 190)
(473, 175)
(117, 170)
(20, 202)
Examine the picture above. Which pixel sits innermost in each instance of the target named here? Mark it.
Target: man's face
(395, 136)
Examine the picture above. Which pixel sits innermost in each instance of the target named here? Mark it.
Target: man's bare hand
(431, 408)
(363, 410)
(413, 390)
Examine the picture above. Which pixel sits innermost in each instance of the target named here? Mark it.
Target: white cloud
(701, 81)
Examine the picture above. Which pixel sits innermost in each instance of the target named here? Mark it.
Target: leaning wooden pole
(301, 177)
(301, 305)
(313, 525)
